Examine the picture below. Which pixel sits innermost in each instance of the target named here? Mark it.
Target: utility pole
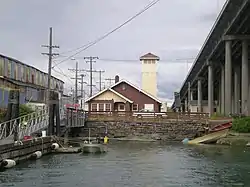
(101, 85)
(82, 91)
(100, 77)
(50, 54)
(72, 95)
(82, 82)
(90, 60)
(110, 80)
(76, 70)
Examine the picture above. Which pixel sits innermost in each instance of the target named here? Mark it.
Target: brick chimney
(117, 79)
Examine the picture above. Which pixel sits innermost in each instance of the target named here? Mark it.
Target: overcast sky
(171, 29)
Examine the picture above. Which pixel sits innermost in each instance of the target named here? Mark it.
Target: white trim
(109, 89)
(140, 90)
(97, 106)
(121, 105)
(109, 107)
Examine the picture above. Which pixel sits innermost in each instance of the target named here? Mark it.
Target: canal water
(137, 165)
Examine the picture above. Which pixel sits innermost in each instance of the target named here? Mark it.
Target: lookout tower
(149, 73)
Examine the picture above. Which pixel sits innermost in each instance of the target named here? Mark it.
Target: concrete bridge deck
(219, 78)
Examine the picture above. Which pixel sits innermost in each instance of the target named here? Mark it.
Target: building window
(108, 107)
(121, 107)
(101, 107)
(135, 107)
(93, 107)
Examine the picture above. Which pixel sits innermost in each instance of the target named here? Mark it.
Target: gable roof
(109, 89)
(135, 87)
(149, 56)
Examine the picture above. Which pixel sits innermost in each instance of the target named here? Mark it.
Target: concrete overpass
(219, 78)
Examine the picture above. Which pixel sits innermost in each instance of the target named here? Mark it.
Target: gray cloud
(171, 29)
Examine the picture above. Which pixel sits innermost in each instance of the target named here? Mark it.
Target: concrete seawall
(23, 151)
(169, 131)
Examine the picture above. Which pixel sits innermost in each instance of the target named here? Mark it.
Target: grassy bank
(235, 139)
(239, 134)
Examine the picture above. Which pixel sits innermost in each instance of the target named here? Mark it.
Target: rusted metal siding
(136, 96)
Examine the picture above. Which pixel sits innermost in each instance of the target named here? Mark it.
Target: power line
(50, 54)
(76, 70)
(82, 91)
(62, 73)
(100, 78)
(112, 31)
(91, 58)
(93, 79)
(110, 80)
(178, 60)
(133, 60)
(100, 85)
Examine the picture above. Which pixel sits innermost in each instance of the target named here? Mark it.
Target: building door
(149, 107)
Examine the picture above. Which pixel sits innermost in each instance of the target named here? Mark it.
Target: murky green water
(137, 164)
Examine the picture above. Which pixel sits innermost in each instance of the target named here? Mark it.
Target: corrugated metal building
(31, 81)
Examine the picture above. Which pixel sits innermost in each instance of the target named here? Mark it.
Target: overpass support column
(244, 78)
(199, 95)
(186, 105)
(228, 77)
(189, 96)
(236, 89)
(222, 90)
(210, 89)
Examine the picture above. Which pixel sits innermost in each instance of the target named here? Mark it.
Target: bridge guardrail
(25, 125)
(75, 117)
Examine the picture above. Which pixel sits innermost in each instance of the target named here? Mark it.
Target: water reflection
(137, 164)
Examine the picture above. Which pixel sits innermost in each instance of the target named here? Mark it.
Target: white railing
(25, 125)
